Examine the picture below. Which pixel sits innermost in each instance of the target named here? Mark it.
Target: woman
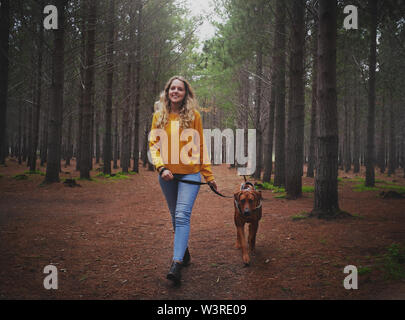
(176, 158)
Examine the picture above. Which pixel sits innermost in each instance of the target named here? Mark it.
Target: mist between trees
(320, 97)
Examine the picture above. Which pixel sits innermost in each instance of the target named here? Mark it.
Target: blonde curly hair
(188, 105)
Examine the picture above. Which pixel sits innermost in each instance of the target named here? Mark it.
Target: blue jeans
(180, 199)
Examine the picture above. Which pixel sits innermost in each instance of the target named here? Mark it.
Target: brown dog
(248, 209)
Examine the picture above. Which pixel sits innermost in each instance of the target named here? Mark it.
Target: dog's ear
(236, 195)
(258, 195)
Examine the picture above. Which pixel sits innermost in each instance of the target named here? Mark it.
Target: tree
(280, 60)
(107, 146)
(295, 136)
(55, 114)
(137, 85)
(4, 65)
(326, 184)
(370, 175)
(35, 129)
(313, 130)
(85, 152)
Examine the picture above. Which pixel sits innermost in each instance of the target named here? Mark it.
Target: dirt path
(113, 240)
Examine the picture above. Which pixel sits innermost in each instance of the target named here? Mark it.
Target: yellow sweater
(180, 151)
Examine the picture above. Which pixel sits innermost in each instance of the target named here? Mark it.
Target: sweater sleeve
(154, 144)
(205, 162)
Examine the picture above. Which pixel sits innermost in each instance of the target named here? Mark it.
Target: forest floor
(112, 239)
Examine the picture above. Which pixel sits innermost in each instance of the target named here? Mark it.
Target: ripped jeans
(180, 199)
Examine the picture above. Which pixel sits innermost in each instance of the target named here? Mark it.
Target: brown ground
(113, 240)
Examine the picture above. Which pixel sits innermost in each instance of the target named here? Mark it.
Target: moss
(308, 188)
(35, 172)
(20, 177)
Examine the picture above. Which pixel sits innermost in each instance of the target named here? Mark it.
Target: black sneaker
(175, 273)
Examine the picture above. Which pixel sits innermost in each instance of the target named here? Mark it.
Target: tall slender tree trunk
(44, 139)
(392, 143)
(126, 132)
(86, 145)
(258, 102)
(295, 136)
(69, 146)
(116, 139)
(313, 130)
(279, 41)
(35, 129)
(55, 125)
(326, 184)
(370, 175)
(107, 145)
(356, 133)
(83, 8)
(381, 144)
(137, 86)
(19, 135)
(4, 66)
(268, 166)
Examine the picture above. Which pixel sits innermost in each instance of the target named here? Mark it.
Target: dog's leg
(243, 242)
(252, 235)
(238, 243)
(238, 240)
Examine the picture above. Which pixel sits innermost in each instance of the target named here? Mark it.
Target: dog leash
(202, 183)
(197, 183)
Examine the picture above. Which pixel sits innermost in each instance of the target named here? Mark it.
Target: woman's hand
(167, 175)
(213, 184)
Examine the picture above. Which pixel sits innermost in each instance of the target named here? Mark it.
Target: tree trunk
(107, 145)
(370, 175)
(125, 143)
(35, 125)
(392, 143)
(4, 66)
(295, 136)
(69, 146)
(326, 186)
(137, 86)
(279, 47)
(86, 147)
(381, 145)
(356, 134)
(268, 167)
(55, 125)
(116, 139)
(312, 141)
(258, 102)
(83, 8)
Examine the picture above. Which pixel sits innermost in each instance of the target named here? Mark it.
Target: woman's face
(177, 92)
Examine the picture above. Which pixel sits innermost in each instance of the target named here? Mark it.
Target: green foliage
(399, 189)
(394, 262)
(301, 216)
(362, 188)
(35, 172)
(269, 186)
(363, 270)
(308, 189)
(20, 177)
(117, 176)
